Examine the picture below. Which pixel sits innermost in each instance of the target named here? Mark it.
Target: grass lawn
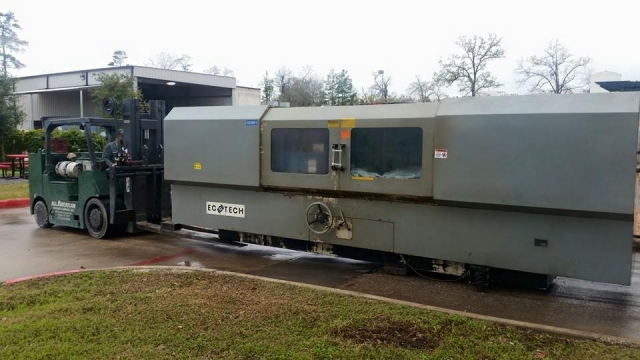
(156, 315)
(9, 190)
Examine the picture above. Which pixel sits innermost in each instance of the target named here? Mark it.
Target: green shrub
(31, 141)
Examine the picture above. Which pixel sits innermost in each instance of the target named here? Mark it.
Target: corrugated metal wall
(63, 103)
(25, 103)
(246, 96)
(33, 83)
(65, 80)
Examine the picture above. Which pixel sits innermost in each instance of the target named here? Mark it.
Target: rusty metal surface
(26, 250)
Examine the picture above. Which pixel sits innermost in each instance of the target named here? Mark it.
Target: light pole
(383, 87)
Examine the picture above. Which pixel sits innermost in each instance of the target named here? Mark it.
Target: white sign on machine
(440, 153)
(224, 209)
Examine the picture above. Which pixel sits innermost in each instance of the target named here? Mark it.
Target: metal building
(67, 94)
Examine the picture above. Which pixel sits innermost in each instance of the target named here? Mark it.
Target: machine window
(388, 153)
(303, 151)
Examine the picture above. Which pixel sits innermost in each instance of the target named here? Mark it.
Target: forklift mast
(146, 197)
(143, 131)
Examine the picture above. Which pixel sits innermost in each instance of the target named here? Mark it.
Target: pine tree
(10, 42)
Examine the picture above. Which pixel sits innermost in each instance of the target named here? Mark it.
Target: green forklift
(79, 189)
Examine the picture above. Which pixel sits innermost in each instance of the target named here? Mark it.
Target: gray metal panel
(66, 80)
(581, 158)
(188, 205)
(627, 102)
(216, 113)
(367, 234)
(213, 145)
(32, 83)
(25, 104)
(389, 111)
(246, 96)
(184, 77)
(582, 248)
(62, 103)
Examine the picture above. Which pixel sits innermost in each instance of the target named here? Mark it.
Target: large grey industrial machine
(514, 189)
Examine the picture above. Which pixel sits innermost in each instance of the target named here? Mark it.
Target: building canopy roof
(80, 79)
(617, 86)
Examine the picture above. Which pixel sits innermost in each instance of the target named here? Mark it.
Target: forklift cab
(88, 154)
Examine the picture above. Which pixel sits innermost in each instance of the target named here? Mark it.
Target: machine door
(391, 156)
(296, 151)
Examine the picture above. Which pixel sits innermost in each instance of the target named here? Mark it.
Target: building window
(388, 153)
(302, 151)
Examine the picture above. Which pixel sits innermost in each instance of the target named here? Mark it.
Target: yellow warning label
(361, 178)
(347, 123)
(197, 166)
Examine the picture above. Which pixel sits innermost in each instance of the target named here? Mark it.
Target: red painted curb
(13, 203)
(162, 258)
(13, 281)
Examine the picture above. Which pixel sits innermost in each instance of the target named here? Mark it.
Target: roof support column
(81, 107)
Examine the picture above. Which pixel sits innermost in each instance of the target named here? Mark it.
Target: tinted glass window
(303, 151)
(390, 153)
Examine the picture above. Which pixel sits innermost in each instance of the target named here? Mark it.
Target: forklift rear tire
(96, 219)
(41, 214)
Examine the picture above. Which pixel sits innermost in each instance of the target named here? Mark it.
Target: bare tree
(215, 70)
(426, 91)
(381, 85)
(420, 89)
(184, 63)
(165, 60)
(306, 89)
(367, 98)
(469, 69)
(436, 93)
(557, 71)
(283, 80)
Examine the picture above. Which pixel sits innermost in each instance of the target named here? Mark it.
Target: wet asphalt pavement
(26, 250)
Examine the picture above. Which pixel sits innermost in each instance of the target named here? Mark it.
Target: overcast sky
(405, 38)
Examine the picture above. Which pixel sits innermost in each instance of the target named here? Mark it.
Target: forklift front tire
(96, 218)
(41, 214)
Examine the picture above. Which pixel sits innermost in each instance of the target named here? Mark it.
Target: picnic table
(21, 159)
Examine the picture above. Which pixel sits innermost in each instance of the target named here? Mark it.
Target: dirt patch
(393, 332)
